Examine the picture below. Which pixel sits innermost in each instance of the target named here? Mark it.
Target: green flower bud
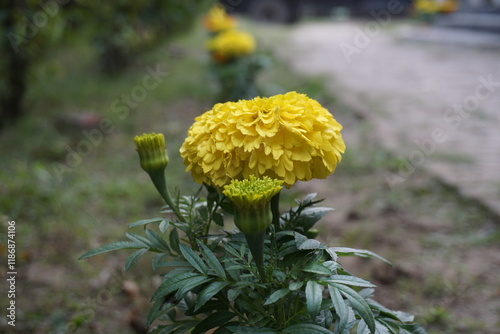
(252, 201)
(252, 211)
(152, 152)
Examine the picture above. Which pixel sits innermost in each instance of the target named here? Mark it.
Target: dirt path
(435, 105)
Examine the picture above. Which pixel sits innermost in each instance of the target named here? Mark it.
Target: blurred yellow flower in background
(426, 6)
(231, 44)
(288, 137)
(218, 20)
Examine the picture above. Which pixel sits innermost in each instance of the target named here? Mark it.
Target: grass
(60, 216)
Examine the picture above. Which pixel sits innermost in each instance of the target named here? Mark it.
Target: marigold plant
(218, 20)
(289, 137)
(270, 275)
(231, 44)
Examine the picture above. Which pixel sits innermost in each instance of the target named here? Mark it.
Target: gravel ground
(432, 97)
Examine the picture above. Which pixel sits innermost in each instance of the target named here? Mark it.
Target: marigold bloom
(231, 44)
(218, 20)
(287, 137)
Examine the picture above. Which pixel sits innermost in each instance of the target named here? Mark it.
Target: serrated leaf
(340, 308)
(310, 244)
(208, 292)
(164, 225)
(174, 240)
(132, 259)
(308, 198)
(156, 310)
(295, 286)
(138, 238)
(276, 295)
(172, 284)
(218, 219)
(346, 251)
(250, 330)
(112, 247)
(233, 294)
(358, 303)
(194, 259)
(146, 221)
(157, 241)
(306, 328)
(164, 329)
(314, 297)
(348, 280)
(396, 315)
(310, 216)
(212, 260)
(212, 321)
(379, 328)
(191, 284)
(317, 268)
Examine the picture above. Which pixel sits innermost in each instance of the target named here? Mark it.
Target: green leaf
(348, 280)
(379, 328)
(132, 259)
(213, 320)
(164, 225)
(172, 284)
(212, 260)
(295, 286)
(302, 242)
(174, 240)
(157, 241)
(311, 215)
(397, 315)
(314, 297)
(164, 329)
(139, 238)
(250, 330)
(112, 247)
(309, 198)
(211, 290)
(358, 303)
(317, 268)
(146, 221)
(218, 219)
(194, 259)
(276, 295)
(306, 329)
(190, 284)
(156, 310)
(345, 251)
(340, 308)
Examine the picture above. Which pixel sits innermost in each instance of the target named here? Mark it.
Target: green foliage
(123, 29)
(212, 280)
(236, 79)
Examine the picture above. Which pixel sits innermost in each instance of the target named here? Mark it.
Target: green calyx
(152, 152)
(252, 200)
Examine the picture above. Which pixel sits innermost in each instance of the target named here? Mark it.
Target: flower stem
(160, 183)
(275, 209)
(256, 244)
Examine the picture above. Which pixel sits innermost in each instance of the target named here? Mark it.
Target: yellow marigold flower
(231, 44)
(218, 20)
(426, 6)
(152, 151)
(288, 137)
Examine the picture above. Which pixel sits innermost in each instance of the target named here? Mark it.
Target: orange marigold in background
(217, 19)
(231, 44)
(287, 137)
